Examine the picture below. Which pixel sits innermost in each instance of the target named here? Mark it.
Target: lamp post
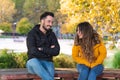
(13, 29)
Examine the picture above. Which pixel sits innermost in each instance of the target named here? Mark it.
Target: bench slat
(64, 73)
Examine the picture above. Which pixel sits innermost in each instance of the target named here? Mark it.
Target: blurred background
(18, 17)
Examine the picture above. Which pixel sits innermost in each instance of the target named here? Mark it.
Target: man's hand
(52, 46)
(40, 49)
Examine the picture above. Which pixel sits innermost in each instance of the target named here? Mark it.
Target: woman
(88, 52)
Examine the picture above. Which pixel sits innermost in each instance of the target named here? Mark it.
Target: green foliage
(7, 60)
(21, 60)
(19, 7)
(6, 27)
(12, 60)
(34, 8)
(18, 60)
(64, 61)
(24, 26)
(116, 60)
(18, 3)
(53, 5)
(108, 62)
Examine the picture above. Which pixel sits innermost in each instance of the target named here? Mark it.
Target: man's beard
(45, 28)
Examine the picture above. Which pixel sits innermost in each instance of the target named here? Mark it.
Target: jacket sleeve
(52, 51)
(102, 54)
(31, 45)
(77, 58)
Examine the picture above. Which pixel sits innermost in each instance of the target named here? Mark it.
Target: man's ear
(42, 21)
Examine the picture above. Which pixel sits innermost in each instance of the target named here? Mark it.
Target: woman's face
(80, 35)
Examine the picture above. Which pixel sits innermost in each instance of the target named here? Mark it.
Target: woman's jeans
(86, 73)
(44, 69)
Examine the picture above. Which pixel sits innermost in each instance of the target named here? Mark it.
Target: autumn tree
(24, 26)
(104, 15)
(7, 9)
(54, 6)
(32, 9)
(19, 9)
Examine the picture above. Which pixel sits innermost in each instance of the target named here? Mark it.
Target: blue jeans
(87, 73)
(44, 69)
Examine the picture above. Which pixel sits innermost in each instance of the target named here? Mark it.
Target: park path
(19, 44)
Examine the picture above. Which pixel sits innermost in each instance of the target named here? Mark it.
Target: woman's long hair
(88, 41)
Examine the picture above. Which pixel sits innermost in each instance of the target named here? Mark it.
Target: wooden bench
(60, 74)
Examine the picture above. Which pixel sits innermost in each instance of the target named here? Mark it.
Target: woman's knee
(82, 67)
(83, 70)
(97, 69)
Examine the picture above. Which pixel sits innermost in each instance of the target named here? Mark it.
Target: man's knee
(32, 62)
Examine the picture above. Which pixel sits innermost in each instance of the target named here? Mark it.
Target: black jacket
(36, 39)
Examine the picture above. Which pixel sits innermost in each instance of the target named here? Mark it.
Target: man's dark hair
(45, 14)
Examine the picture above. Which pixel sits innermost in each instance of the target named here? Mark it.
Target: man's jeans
(87, 73)
(44, 69)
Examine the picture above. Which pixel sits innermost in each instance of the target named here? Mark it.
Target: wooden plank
(65, 73)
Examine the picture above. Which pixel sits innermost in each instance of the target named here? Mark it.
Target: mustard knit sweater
(99, 52)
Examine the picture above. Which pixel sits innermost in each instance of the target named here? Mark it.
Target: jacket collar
(37, 29)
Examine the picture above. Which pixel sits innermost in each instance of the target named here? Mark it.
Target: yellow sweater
(99, 52)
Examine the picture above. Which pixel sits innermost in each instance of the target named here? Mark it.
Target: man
(42, 45)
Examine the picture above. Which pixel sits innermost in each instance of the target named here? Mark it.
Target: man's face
(47, 22)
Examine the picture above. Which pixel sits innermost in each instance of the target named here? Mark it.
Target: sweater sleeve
(77, 58)
(102, 54)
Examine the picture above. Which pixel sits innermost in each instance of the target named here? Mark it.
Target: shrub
(116, 60)
(64, 61)
(6, 27)
(12, 60)
(21, 59)
(7, 60)
(24, 26)
(18, 60)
